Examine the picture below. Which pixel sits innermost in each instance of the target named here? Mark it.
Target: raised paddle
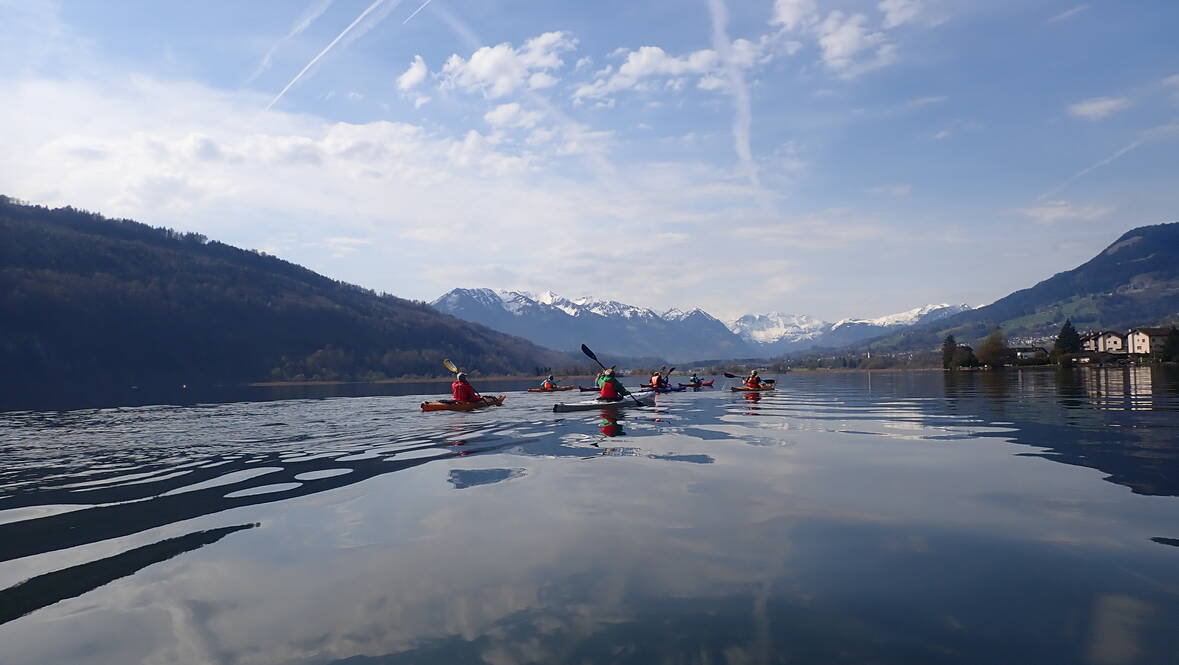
(586, 350)
(450, 366)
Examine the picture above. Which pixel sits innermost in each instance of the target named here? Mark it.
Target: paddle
(586, 350)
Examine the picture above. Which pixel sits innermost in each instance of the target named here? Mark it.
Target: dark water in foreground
(898, 518)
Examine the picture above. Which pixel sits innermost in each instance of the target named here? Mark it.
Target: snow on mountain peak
(910, 317)
(776, 326)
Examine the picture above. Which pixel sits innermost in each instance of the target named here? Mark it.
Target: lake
(892, 518)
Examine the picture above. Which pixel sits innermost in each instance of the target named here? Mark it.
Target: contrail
(313, 12)
(1104, 162)
(742, 117)
(415, 12)
(1159, 133)
(329, 47)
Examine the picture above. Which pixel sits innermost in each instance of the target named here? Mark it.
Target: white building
(1111, 341)
(1147, 340)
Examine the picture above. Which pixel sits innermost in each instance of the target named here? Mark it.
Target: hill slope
(1133, 282)
(85, 298)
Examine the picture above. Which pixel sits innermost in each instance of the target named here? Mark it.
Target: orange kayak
(451, 405)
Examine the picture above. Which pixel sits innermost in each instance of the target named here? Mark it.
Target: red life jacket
(656, 381)
(753, 382)
(547, 385)
(464, 392)
(609, 390)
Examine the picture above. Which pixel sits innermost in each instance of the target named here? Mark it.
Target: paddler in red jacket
(754, 381)
(549, 383)
(463, 391)
(612, 389)
(656, 380)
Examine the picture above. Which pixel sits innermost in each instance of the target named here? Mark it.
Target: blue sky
(831, 158)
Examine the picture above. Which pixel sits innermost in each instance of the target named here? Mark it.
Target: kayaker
(656, 380)
(549, 384)
(463, 391)
(610, 388)
(754, 381)
(695, 380)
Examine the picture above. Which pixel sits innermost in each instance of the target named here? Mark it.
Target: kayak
(707, 383)
(451, 405)
(551, 390)
(591, 405)
(743, 389)
(588, 390)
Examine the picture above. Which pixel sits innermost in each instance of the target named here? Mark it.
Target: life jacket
(547, 385)
(464, 392)
(609, 388)
(656, 381)
(753, 382)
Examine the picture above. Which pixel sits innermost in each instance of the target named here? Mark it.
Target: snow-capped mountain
(626, 330)
(776, 326)
(777, 333)
(608, 326)
(911, 317)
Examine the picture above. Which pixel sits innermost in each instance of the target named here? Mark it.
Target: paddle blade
(730, 376)
(449, 365)
(586, 350)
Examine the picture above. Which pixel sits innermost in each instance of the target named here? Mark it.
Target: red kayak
(551, 390)
(707, 383)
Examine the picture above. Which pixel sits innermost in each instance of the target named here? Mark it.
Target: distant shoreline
(441, 379)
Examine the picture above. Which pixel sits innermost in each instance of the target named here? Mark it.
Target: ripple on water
(228, 479)
(324, 473)
(263, 489)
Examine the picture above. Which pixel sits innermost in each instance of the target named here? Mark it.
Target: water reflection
(924, 518)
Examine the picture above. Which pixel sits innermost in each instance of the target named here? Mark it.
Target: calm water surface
(896, 518)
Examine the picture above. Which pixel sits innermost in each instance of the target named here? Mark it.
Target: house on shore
(1106, 341)
(1143, 341)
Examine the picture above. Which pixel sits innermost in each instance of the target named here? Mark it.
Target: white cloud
(1171, 81)
(420, 101)
(1051, 212)
(541, 80)
(844, 37)
(582, 63)
(1099, 108)
(794, 14)
(512, 115)
(1068, 13)
(499, 70)
(644, 63)
(942, 134)
(414, 75)
(898, 12)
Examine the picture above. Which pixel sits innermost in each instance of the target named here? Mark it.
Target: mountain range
(619, 328)
(1132, 282)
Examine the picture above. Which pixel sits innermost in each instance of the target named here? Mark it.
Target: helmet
(655, 374)
(550, 376)
(609, 371)
(461, 376)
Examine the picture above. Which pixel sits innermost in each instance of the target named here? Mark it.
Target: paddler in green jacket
(611, 389)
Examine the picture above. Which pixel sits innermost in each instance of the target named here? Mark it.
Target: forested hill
(1133, 282)
(97, 300)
